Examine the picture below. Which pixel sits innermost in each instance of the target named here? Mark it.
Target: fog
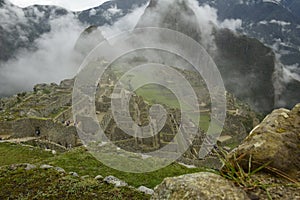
(53, 61)
(74, 5)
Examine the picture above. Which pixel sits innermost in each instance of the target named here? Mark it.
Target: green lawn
(155, 94)
(158, 95)
(50, 184)
(13, 153)
(82, 162)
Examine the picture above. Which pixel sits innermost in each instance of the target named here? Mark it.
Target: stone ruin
(40, 114)
(139, 113)
(46, 129)
(49, 106)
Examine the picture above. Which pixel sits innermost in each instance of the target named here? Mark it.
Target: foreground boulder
(275, 141)
(204, 186)
(115, 181)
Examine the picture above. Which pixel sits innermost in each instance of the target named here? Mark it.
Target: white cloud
(264, 22)
(289, 75)
(207, 17)
(53, 61)
(232, 24)
(114, 10)
(272, 1)
(92, 12)
(273, 21)
(128, 22)
(74, 5)
(10, 16)
(281, 23)
(55, 58)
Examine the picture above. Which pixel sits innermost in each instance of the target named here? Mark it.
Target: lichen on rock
(275, 141)
(204, 186)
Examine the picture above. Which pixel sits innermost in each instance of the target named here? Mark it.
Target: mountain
(20, 27)
(274, 23)
(109, 12)
(245, 64)
(178, 15)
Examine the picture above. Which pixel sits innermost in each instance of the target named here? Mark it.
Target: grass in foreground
(50, 184)
(82, 162)
(11, 153)
(245, 179)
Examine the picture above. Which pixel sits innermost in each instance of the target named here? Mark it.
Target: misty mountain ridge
(39, 21)
(24, 25)
(275, 23)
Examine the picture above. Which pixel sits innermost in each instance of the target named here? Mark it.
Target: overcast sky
(75, 5)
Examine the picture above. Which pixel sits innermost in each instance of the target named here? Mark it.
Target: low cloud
(74, 5)
(232, 24)
(53, 61)
(11, 15)
(128, 22)
(207, 17)
(54, 58)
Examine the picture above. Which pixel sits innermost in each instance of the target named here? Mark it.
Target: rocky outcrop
(204, 186)
(115, 181)
(276, 140)
(145, 190)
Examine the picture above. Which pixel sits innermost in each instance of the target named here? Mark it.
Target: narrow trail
(19, 140)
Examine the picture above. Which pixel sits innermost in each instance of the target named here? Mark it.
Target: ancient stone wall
(64, 100)
(64, 116)
(5, 128)
(48, 129)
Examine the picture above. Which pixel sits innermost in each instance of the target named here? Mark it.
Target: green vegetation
(156, 94)
(46, 91)
(82, 162)
(79, 160)
(13, 153)
(58, 112)
(50, 184)
(233, 171)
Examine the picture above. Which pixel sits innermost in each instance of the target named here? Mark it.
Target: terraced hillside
(46, 114)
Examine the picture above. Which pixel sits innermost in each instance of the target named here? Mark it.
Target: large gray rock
(275, 140)
(145, 190)
(115, 181)
(46, 166)
(98, 177)
(30, 167)
(59, 169)
(74, 174)
(204, 186)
